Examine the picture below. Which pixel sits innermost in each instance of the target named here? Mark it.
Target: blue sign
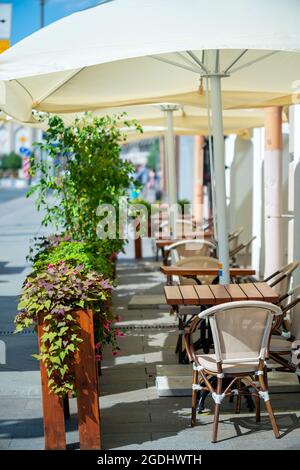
(25, 151)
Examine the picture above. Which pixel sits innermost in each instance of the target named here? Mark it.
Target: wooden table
(194, 272)
(215, 294)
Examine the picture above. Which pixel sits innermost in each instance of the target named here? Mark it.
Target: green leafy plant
(182, 203)
(11, 161)
(55, 294)
(85, 170)
(86, 253)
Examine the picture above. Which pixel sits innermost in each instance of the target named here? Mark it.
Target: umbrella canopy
(127, 51)
(138, 51)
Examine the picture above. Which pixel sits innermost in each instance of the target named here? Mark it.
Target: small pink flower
(50, 266)
(107, 325)
(98, 345)
(115, 353)
(119, 333)
(98, 357)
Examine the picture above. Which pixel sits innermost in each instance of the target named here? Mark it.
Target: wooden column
(53, 408)
(198, 178)
(273, 189)
(86, 381)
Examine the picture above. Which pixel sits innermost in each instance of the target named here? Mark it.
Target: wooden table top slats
(189, 295)
(267, 292)
(220, 293)
(215, 294)
(173, 295)
(235, 292)
(251, 292)
(205, 294)
(186, 271)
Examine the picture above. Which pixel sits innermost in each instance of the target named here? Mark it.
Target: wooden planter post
(87, 391)
(53, 408)
(86, 382)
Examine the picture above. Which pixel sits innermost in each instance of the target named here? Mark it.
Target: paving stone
(146, 301)
(4, 443)
(21, 384)
(124, 441)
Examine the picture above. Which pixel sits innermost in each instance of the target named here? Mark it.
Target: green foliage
(154, 155)
(55, 294)
(86, 253)
(88, 172)
(11, 161)
(182, 203)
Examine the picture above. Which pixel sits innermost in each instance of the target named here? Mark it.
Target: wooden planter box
(138, 243)
(87, 392)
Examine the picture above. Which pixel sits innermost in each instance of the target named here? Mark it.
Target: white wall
(241, 187)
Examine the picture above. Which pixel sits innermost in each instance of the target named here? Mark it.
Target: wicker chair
(189, 248)
(233, 238)
(281, 279)
(241, 333)
(242, 252)
(281, 346)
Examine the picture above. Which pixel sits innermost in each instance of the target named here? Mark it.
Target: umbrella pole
(170, 162)
(219, 167)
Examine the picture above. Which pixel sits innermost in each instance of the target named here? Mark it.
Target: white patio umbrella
(138, 51)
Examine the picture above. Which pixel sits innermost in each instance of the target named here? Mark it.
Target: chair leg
(238, 399)
(257, 409)
(269, 408)
(215, 423)
(217, 412)
(194, 398)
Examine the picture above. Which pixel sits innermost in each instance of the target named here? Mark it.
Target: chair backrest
(241, 330)
(183, 227)
(294, 314)
(281, 282)
(188, 248)
(233, 238)
(198, 262)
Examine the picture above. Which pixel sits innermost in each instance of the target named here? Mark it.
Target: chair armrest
(188, 331)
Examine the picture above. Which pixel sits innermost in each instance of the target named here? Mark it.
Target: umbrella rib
(248, 64)
(58, 85)
(171, 62)
(186, 59)
(236, 60)
(198, 61)
(24, 88)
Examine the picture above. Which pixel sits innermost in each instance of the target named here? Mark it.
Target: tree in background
(11, 161)
(154, 155)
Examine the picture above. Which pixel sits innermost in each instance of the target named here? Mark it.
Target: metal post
(170, 154)
(42, 13)
(171, 179)
(219, 167)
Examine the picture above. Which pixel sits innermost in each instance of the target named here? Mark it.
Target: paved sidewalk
(133, 416)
